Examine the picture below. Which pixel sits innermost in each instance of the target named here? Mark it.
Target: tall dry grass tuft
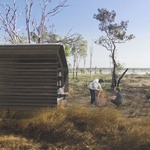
(10, 142)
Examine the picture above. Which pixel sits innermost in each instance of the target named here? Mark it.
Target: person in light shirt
(95, 86)
(61, 97)
(62, 93)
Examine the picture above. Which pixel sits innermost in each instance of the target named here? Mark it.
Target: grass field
(81, 126)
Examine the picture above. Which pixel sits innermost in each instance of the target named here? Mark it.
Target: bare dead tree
(45, 15)
(121, 77)
(35, 30)
(9, 22)
(28, 10)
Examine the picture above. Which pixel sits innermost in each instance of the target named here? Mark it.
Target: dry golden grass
(76, 128)
(134, 89)
(81, 126)
(10, 142)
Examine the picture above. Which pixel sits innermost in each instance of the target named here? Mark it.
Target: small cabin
(31, 74)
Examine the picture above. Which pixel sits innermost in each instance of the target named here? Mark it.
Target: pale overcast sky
(78, 16)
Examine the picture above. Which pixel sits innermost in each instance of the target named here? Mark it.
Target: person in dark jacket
(117, 99)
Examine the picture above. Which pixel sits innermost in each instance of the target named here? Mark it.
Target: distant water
(130, 71)
(108, 70)
(138, 71)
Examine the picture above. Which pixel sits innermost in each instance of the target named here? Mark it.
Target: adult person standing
(95, 86)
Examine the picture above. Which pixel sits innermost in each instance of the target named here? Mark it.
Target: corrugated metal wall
(28, 76)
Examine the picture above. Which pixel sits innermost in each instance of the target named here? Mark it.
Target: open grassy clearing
(82, 126)
(134, 89)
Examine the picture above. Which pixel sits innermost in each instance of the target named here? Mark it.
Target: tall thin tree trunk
(91, 54)
(73, 68)
(113, 83)
(76, 72)
(84, 64)
(114, 80)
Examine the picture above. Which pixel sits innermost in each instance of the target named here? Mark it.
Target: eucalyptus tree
(112, 34)
(78, 52)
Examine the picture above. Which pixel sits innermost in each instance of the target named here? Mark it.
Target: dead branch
(28, 9)
(9, 21)
(121, 77)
